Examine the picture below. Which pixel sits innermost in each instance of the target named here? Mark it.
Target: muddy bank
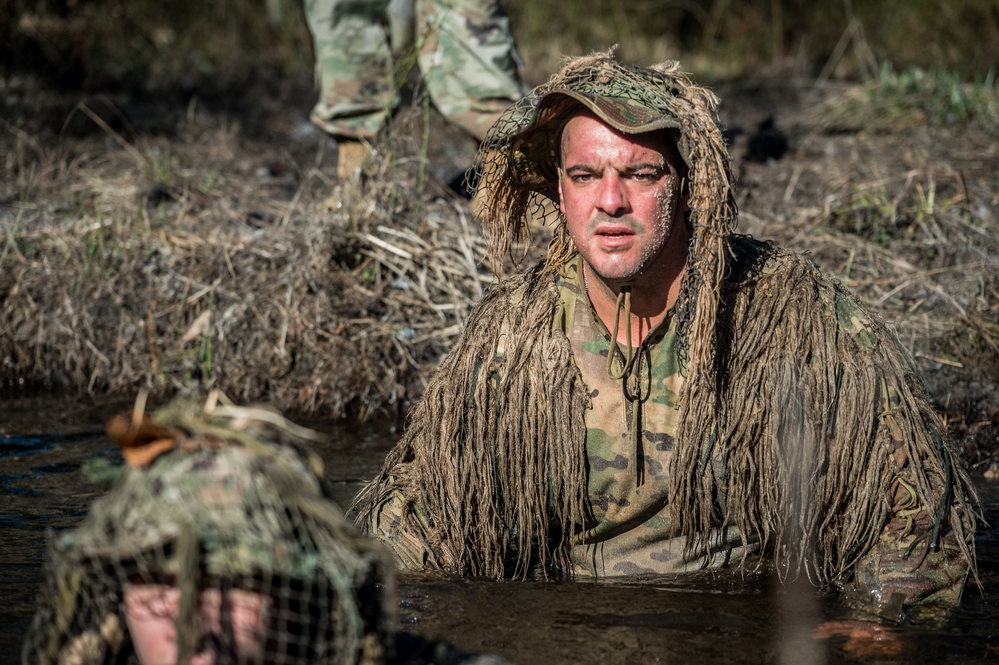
(223, 252)
(164, 241)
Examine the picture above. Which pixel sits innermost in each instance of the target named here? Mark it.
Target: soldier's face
(619, 194)
(232, 628)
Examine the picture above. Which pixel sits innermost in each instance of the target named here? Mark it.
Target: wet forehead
(589, 141)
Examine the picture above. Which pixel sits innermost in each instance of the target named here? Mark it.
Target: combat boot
(351, 155)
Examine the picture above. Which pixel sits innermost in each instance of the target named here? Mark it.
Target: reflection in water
(799, 614)
(726, 616)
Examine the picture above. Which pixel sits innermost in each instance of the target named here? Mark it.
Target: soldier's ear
(558, 172)
(685, 203)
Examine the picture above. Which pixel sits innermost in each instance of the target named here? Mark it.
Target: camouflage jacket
(631, 428)
(631, 439)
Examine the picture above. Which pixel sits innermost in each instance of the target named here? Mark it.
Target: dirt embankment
(161, 242)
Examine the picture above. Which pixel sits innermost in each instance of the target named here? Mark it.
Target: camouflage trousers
(464, 49)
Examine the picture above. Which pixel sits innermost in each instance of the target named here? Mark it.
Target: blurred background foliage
(167, 43)
(746, 38)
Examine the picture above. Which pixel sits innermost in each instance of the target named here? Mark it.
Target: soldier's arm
(916, 559)
(398, 526)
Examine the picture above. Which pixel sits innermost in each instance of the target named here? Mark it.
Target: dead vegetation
(211, 259)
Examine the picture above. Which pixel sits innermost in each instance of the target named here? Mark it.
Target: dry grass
(166, 263)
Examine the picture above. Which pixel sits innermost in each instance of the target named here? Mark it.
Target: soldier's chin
(618, 275)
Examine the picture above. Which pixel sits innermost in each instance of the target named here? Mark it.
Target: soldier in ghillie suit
(660, 394)
(219, 544)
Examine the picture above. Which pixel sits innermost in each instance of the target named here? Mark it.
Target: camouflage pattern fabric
(464, 49)
(630, 435)
(221, 501)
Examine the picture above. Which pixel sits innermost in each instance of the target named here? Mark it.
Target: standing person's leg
(469, 60)
(354, 69)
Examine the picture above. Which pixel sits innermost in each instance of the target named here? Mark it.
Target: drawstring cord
(631, 370)
(630, 373)
(623, 304)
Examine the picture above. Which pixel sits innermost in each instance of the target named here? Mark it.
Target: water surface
(707, 617)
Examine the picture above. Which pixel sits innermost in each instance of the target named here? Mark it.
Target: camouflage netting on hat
(225, 503)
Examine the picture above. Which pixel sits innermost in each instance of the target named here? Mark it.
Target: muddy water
(724, 617)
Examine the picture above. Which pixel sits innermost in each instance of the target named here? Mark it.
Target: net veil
(221, 523)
